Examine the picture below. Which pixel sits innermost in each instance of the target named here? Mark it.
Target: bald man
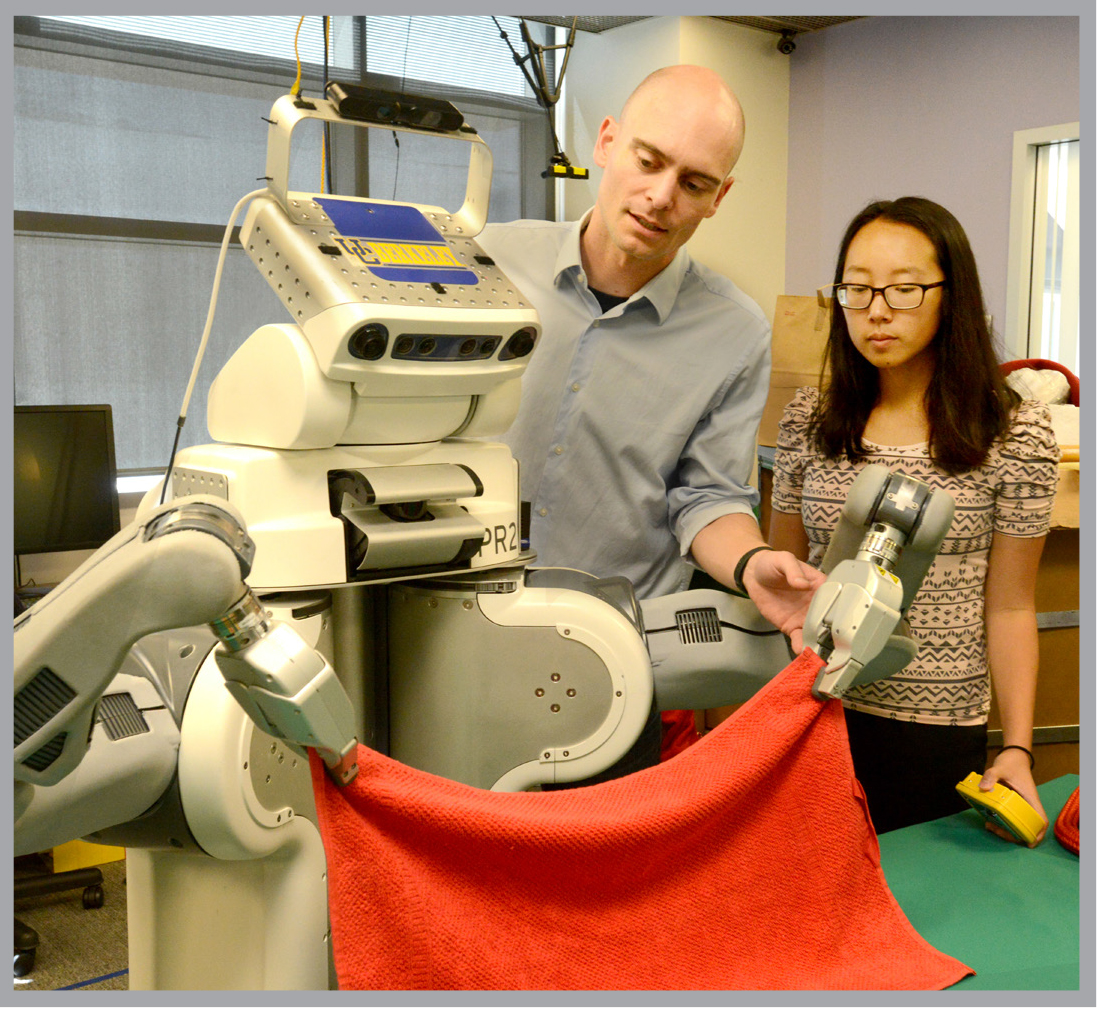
(667, 166)
(640, 406)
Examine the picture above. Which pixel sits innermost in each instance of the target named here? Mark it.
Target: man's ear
(607, 133)
(721, 193)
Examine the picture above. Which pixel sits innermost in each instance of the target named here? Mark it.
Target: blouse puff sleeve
(1028, 460)
(792, 453)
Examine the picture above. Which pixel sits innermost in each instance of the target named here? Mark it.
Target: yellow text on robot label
(372, 253)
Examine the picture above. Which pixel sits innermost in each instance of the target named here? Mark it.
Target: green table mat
(1007, 911)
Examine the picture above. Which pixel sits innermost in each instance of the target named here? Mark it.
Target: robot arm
(710, 648)
(887, 537)
(182, 564)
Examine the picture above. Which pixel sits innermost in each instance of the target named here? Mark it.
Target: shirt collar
(661, 291)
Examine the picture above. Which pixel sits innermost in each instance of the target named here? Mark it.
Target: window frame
(1026, 144)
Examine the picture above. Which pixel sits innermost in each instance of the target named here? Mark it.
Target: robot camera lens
(426, 347)
(487, 348)
(405, 345)
(369, 342)
(468, 347)
(520, 344)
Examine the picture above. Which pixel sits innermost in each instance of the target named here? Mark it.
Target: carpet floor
(78, 948)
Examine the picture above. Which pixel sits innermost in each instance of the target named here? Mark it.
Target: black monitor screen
(66, 495)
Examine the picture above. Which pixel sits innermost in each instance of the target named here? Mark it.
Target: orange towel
(746, 862)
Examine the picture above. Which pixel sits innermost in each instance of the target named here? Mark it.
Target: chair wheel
(93, 896)
(24, 962)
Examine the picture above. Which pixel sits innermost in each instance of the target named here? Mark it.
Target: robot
(345, 565)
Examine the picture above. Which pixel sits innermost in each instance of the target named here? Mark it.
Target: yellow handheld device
(1003, 807)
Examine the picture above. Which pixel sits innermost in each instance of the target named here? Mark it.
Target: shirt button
(575, 387)
(596, 324)
(542, 512)
(559, 450)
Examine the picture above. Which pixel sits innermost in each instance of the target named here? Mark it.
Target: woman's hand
(1012, 769)
(781, 587)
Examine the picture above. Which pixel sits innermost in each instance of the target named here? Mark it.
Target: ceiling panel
(585, 24)
(777, 25)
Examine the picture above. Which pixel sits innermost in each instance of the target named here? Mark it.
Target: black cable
(403, 81)
(723, 623)
(171, 458)
(396, 171)
(520, 61)
(539, 88)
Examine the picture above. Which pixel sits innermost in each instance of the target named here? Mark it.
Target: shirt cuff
(703, 517)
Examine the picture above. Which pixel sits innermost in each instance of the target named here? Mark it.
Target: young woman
(914, 384)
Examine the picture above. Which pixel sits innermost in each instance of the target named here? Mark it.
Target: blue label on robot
(396, 243)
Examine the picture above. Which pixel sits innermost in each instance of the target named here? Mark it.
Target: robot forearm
(709, 648)
(182, 564)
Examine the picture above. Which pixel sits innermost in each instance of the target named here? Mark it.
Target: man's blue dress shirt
(638, 425)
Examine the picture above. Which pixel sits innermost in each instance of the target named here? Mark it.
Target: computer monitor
(66, 491)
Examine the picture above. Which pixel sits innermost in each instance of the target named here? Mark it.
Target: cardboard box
(800, 328)
(1064, 513)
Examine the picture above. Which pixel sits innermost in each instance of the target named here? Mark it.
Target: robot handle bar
(288, 111)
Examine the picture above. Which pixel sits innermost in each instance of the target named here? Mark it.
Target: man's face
(665, 170)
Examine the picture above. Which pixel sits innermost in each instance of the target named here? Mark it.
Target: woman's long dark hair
(968, 403)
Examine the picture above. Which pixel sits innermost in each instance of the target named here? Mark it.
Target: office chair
(39, 884)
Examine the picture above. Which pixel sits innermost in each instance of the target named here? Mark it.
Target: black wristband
(1023, 749)
(742, 566)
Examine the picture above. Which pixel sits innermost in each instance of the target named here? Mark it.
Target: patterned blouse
(948, 682)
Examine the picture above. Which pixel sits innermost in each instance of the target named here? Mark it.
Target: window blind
(258, 35)
(456, 51)
(464, 52)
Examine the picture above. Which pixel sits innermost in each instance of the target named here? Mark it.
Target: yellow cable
(326, 24)
(296, 89)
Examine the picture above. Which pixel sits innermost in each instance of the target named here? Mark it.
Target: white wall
(745, 240)
(602, 71)
(920, 106)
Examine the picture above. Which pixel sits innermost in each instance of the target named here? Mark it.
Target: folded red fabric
(679, 733)
(746, 862)
(1066, 823)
